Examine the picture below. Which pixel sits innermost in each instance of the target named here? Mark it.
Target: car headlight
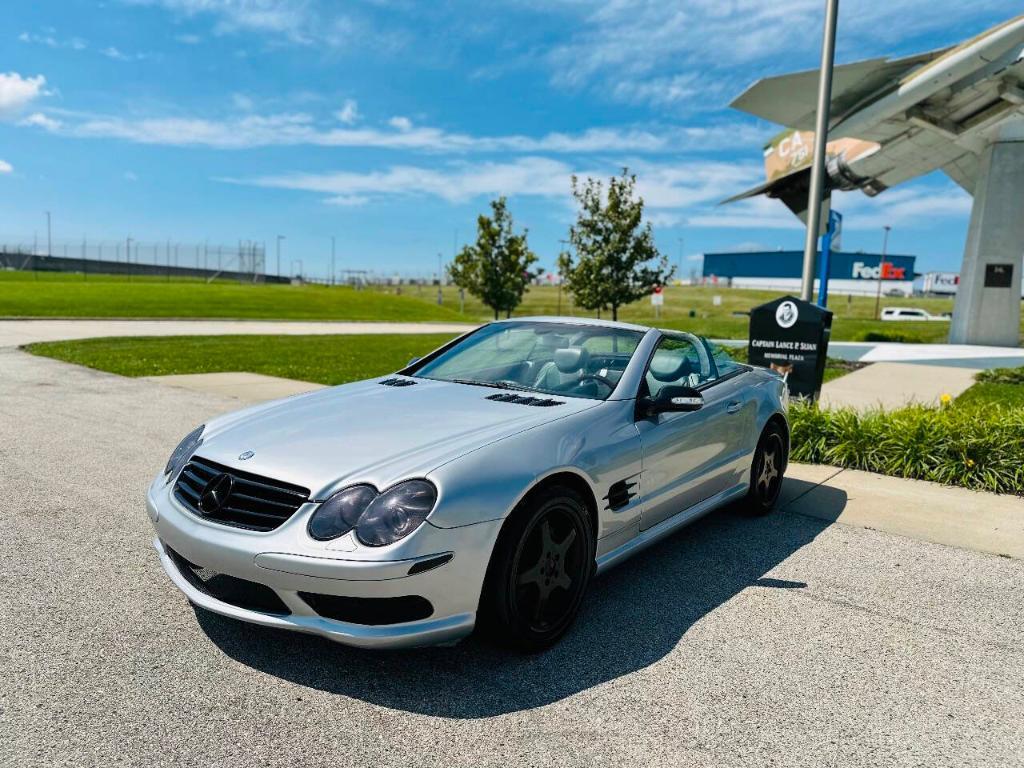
(340, 513)
(378, 519)
(184, 451)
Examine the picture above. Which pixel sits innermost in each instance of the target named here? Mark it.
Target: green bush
(975, 448)
(1001, 376)
(884, 336)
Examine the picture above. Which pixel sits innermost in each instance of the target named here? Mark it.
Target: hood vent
(540, 402)
(398, 382)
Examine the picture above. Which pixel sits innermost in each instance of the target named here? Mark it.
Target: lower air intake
(229, 589)
(370, 611)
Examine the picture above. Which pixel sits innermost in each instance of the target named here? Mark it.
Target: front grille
(229, 589)
(369, 611)
(253, 502)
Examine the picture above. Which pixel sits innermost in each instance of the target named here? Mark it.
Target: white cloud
(5, 167)
(349, 112)
(697, 54)
(113, 53)
(39, 120)
(400, 123)
(457, 182)
(50, 41)
(188, 39)
(302, 129)
(670, 192)
(295, 21)
(242, 102)
(129, 176)
(17, 92)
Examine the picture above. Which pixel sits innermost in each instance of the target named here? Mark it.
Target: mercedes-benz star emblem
(246, 456)
(215, 494)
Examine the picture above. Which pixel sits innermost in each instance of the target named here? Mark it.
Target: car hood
(370, 432)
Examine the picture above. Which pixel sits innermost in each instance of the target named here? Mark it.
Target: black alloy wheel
(767, 470)
(540, 570)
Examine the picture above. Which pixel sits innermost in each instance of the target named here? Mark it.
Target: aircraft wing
(791, 100)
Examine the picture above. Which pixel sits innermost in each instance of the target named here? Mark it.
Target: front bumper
(288, 562)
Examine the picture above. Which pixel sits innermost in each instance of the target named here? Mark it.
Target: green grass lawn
(853, 315)
(27, 294)
(63, 295)
(1000, 386)
(322, 359)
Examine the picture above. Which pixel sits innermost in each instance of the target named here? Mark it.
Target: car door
(689, 457)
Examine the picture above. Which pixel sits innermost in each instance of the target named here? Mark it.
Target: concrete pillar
(988, 300)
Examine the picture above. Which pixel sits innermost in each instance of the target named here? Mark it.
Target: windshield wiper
(492, 384)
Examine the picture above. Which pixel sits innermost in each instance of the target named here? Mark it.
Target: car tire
(767, 470)
(539, 571)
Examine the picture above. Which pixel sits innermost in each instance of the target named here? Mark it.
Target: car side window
(724, 363)
(675, 362)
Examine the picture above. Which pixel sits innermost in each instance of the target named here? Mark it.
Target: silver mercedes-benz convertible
(483, 485)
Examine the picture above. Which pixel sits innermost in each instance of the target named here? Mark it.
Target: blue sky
(391, 123)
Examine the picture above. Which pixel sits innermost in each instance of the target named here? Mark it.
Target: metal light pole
(814, 202)
(49, 238)
(332, 259)
(679, 267)
(279, 239)
(881, 267)
(440, 280)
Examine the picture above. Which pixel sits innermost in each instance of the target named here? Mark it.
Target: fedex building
(849, 273)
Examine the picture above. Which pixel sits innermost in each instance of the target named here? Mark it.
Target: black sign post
(791, 336)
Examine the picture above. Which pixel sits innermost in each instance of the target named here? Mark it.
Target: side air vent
(540, 402)
(394, 382)
(620, 494)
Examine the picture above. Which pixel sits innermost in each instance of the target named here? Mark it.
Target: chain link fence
(244, 261)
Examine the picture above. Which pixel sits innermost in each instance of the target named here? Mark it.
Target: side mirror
(674, 399)
(413, 362)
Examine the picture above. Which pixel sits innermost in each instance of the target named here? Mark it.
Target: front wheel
(539, 571)
(767, 470)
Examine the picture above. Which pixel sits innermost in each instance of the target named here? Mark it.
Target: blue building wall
(843, 266)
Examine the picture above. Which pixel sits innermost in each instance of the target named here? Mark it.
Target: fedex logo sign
(886, 271)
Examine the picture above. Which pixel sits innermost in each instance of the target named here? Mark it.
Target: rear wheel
(539, 571)
(767, 470)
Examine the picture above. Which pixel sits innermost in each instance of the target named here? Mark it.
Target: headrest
(571, 359)
(669, 365)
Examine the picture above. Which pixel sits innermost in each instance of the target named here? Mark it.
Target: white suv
(907, 313)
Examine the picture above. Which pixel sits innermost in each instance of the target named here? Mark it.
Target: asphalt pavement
(783, 640)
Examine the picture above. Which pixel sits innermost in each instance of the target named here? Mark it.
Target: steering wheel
(599, 379)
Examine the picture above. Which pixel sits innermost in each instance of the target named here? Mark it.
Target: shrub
(1001, 376)
(884, 336)
(974, 448)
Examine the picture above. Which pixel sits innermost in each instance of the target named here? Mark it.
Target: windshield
(553, 358)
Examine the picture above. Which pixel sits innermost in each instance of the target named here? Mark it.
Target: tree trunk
(615, 312)
(495, 313)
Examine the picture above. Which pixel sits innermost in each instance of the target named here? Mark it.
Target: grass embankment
(111, 296)
(321, 359)
(999, 386)
(26, 294)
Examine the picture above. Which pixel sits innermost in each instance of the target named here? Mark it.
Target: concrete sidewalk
(894, 385)
(16, 332)
(956, 517)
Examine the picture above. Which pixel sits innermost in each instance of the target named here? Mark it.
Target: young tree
(497, 268)
(616, 261)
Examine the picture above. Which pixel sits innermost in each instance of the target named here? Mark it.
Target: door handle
(734, 406)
